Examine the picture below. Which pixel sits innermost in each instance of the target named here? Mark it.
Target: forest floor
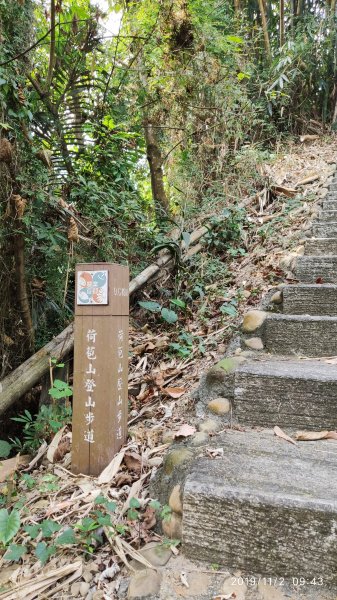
(82, 530)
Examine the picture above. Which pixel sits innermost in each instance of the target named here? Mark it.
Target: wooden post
(100, 365)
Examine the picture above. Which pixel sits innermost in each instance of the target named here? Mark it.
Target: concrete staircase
(264, 505)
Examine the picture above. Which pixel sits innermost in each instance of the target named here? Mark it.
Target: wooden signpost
(100, 365)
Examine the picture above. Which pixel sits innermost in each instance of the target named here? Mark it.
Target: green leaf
(5, 449)
(133, 515)
(49, 527)
(15, 552)
(134, 503)
(229, 309)
(152, 306)
(32, 530)
(43, 552)
(9, 524)
(178, 302)
(186, 237)
(169, 315)
(66, 538)
(234, 39)
(155, 504)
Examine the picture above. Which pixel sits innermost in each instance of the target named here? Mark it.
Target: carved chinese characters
(100, 375)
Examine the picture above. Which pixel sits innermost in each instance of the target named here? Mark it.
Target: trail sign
(100, 392)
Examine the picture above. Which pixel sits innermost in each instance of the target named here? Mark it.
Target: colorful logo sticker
(92, 287)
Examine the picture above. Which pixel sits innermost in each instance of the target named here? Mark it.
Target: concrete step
(333, 185)
(306, 299)
(330, 202)
(300, 394)
(309, 269)
(327, 215)
(265, 506)
(324, 230)
(321, 247)
(301, 335)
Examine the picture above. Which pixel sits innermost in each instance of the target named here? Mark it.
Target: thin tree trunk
(237, 6)
(19, 258)
(52, 44)
(281, 23)
(265, 29)
(154, 158)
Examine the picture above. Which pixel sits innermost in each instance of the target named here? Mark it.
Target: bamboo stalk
(265, 28)
(281, 23)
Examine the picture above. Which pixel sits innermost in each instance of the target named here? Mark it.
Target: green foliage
(9, 525)
(49, 420)
(5, 449)
(169, 316)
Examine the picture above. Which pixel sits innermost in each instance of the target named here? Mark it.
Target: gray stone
(175, 458)
(330, 202)
(288, 393)
(324, 230)
(199, 438)
(209, 426)
(254, 343)
(303, 335)
(309, 299)
(266, 507)
(269, 592)
(309, 269)
(156, 553)
(277, 297)
(84, 589)
(321, 247)
(219, 380)
(75, 589)
(333, 186)
(235, 587)
(144, 584)
(328, 215)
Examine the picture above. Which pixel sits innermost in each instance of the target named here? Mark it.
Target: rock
(231, 586)
(156, 553)
(172, 526)
(254, 343)
(84, 589)
(253, 320)
(209, 426)
(219, 406)
(144, 584)
(99, 595)
(87, 575)
(175, 502)
(168, 437)
(175, 458)
(269, 592)
(277, 297)
(75, 589)
(199, 438)
(323, 192)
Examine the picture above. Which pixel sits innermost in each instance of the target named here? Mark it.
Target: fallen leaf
(174, 392)
(183, 579)
(54, 444)
(9, 466)
(133, 461)
(283, 435)
(214, 452)
(307, 436)
(185, 431)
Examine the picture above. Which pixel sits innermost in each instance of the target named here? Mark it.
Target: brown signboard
(100, 392)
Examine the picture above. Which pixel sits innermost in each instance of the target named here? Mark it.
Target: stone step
(330, 203)
(265, 506)
(321, 247)
(333, 185)
(327, 215)
(324, 230)
(320, 300)
(300, 394)
(301, 335)
(309, 269)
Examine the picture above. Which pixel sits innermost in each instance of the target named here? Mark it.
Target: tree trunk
(265, 29)
(154, 158)
(281, 23)
(237, 6)
(19, 257)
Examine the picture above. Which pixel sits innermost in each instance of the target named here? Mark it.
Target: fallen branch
(15, 385)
